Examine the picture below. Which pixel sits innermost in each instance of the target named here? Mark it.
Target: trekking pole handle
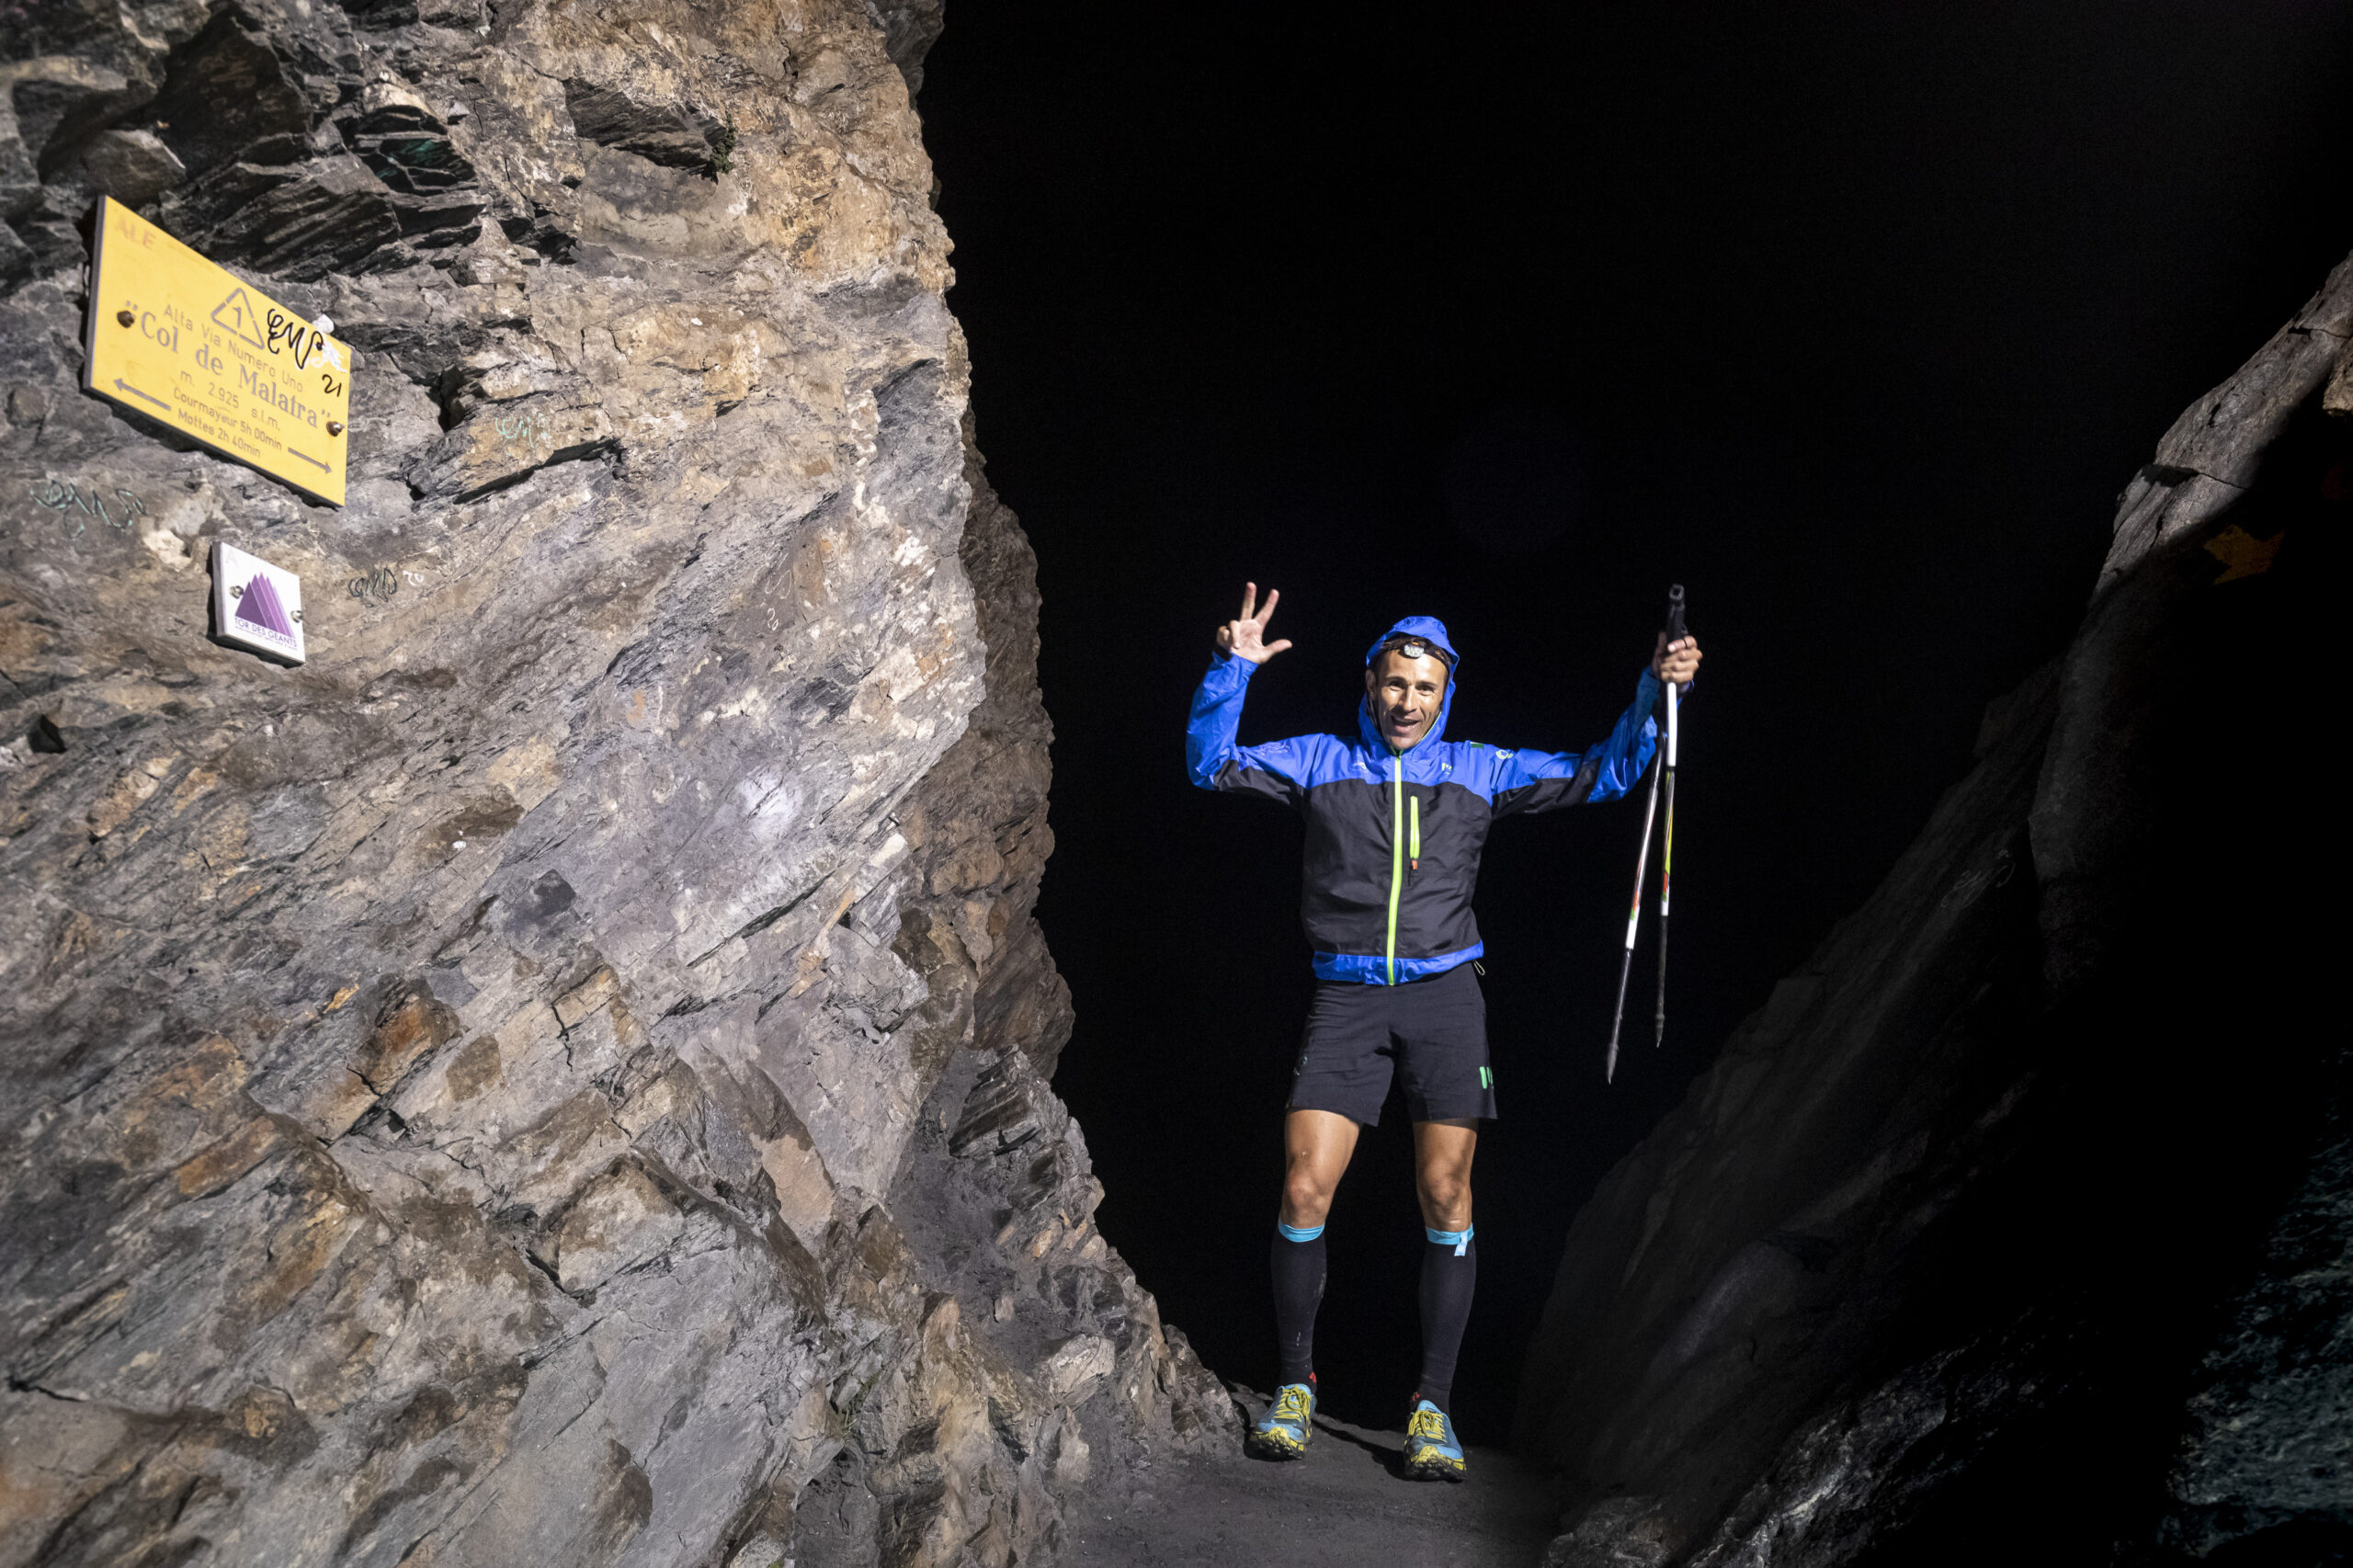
(1675, 628)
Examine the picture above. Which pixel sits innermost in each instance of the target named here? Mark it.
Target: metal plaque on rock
(255, 604)
(195, 347)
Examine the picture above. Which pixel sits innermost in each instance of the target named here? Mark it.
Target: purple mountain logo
(259, 605)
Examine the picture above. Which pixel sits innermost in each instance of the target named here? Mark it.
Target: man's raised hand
(1246, 637)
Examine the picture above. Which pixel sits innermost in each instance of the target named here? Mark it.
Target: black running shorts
(1431, 1033)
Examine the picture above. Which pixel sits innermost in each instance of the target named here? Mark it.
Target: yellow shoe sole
(1273, 1443)
(1431, 1465)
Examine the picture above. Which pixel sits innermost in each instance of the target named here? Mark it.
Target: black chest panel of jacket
(1360, 842)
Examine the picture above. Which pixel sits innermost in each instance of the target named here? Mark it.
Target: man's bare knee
(1305, 1200)
(1446, 1199)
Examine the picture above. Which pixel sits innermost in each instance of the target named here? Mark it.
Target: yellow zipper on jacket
(1414, 834)
(1396, 850)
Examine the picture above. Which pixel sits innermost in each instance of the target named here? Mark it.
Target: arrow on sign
(308, 458)
(121, 385)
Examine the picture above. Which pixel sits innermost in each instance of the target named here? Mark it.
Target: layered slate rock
(2015, 1226)
(561, 1076)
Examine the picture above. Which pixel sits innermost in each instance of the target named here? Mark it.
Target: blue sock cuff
(1458, 1240)
(1299, 1232)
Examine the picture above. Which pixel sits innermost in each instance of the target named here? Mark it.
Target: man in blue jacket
(1396, 818)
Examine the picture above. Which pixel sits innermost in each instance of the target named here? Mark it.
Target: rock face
(561, 1076)
(2018, 1225)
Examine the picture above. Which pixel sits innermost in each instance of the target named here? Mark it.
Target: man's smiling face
(1404, 695)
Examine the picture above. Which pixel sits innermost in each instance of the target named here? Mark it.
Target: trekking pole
(1674, 631)
(1633, 919)
(1642, 863)
(1626, 963)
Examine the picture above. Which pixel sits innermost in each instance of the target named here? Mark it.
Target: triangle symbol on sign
(259, 605)
(236, 313)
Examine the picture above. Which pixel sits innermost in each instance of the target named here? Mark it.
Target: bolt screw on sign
(175, 338)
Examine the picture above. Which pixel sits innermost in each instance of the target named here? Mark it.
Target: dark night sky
(1852, 318)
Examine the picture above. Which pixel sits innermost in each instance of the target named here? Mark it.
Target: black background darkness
(1853, 319)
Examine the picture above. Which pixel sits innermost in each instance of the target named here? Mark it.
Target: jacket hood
(1428, 628)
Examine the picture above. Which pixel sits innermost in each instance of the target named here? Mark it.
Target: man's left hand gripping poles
(1642, 858)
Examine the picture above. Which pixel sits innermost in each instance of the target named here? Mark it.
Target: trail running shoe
(1432, 1453)
(1284, 1431)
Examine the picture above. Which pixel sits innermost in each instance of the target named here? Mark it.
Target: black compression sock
(1299, 1289)
(1449, 1274)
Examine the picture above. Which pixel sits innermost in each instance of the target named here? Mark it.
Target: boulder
(483, 1096)
(2015, 1224)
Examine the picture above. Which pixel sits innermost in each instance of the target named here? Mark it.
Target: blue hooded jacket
(1394, 838)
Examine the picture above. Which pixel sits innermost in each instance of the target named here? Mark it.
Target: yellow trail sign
(195, 347)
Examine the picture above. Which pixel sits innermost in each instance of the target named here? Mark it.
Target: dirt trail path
(1343, 1503)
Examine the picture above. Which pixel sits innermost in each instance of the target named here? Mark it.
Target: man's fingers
(1273, 597)
(1274, 648)
(1249, 599)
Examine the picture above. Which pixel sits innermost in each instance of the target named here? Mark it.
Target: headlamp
(1414, 648)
